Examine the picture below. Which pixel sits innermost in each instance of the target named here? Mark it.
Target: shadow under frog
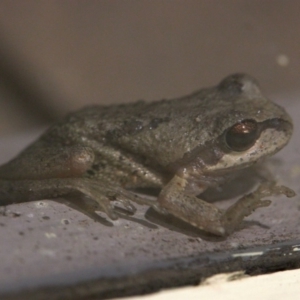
(181, 146)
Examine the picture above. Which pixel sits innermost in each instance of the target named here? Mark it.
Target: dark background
(56, 56)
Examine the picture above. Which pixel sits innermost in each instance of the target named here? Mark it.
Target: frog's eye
(241, 136)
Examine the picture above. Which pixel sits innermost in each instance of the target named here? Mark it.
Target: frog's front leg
(208, 217)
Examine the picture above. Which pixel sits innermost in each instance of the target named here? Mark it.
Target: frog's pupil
(242, 135)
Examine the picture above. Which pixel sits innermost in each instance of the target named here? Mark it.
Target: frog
(180, 146)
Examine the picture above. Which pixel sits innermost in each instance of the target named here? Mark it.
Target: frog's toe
(108, 208)
(111, 196)
(254, 204)
(284, 190)
(112, 215)
(128, 205)
(128, 196)
(261, 203)
(271, 189)
(142, 200)
(160, 209)
(102, 197)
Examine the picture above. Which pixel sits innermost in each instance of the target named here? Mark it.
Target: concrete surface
(48, 249)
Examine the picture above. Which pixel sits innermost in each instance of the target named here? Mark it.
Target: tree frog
(181, 146)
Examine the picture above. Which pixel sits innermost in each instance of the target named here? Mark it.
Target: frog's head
(241, 127)
(252, 127)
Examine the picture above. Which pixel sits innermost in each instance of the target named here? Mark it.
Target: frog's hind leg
(104, 195)
(41, 162)
(23, 178)
(12, 191)
(49, 173)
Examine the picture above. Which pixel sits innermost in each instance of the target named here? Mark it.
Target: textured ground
(47, 243)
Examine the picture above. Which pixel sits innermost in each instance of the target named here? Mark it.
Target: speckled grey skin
(182, 146)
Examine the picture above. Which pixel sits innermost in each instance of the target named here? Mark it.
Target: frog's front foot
(245, 206)
(207, 216)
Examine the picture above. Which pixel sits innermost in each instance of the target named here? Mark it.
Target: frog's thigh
(49, 163)
(189, 208)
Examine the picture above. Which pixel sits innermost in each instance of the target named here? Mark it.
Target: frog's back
(107, 124)
(161, 132)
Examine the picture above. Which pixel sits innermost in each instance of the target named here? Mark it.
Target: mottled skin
(179, 146)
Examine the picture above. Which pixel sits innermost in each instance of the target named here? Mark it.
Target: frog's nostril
(278, 124)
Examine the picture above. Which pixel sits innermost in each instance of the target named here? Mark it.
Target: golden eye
(243, 135)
